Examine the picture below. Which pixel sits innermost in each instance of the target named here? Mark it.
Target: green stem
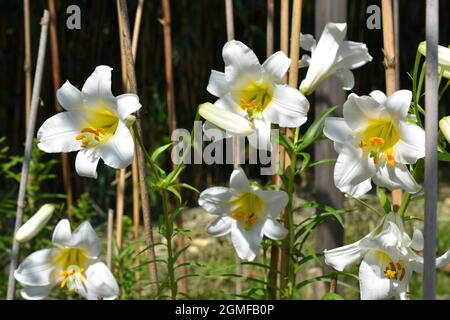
(169, 236)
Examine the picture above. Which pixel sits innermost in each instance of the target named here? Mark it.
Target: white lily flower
(73, 263)
(388, 259)
(94, 124)
(443, 58)
(375, 140)
(254, 94)
(246, 212)
(444, 125)
(35, 224)
(331, 56)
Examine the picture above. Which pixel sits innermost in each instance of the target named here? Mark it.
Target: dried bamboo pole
(27, 67)
(396, 14)
(389, 65)
(56, 85)
(236, 156)
(109, 238)
(134, 166)
(274, 250)
(120, 188)
(172, 125)
(27, 154)
(146, 211)
(431, 136)
(293, 82)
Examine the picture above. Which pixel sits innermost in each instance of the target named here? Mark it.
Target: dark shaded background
(198, 34)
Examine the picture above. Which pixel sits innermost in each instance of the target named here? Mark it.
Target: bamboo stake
(109, 238)
(170, 98)
(396, 10)
(120, 188)
(56, 85)
(146, 211)
(431, 136)
(389, 65)
(27, 65)
(134, 166)
(27, 154)
(236, 156)
(274, 251)
(293, 82)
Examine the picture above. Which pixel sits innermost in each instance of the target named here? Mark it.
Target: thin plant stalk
(142, 166)
(27, 67)
(431, 139)
(27, 154)
(109, 238)
(56, 85)
(389, 65)
(288, 275)
(229, 15)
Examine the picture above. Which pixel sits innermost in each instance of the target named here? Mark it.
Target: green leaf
(384, 200)
(174, 190)
(444, 156)
(187, 186)
(159, 151)
(332, 296)
(315, 129)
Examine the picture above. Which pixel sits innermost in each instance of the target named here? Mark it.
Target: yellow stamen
(377, 141)
(85, 130)
(362, 143)
(247, 208)
(390, 157)
(80, 137)
(101, 130)
(390, 274)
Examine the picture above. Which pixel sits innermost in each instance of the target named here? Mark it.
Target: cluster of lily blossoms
(376, 139)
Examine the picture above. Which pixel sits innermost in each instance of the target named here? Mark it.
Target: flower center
(247, 209)
(100, 125)
(72, 263)
(255, 97)
(394, 271)
(71, 276)
(378, 140)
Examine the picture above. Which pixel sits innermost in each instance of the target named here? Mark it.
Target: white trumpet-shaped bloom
(35, 224)
(247, 213)
(388, 258)
(443, 58)
(375, 140)
(331, 56)
(251, 95)
(95, 124)
(72, 262)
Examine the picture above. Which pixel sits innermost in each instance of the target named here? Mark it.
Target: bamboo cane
(109, 238)
(293, 82)
(431, 138)
(172, 125)
(56, 84)
(236, 156)
(389, 65)
(27, 154)
(146, 211)
(27, 64)
(274, 251)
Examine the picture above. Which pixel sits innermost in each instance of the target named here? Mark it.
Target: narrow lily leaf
(315, 129)
(226, 120)
(384, 200)
(159, 151)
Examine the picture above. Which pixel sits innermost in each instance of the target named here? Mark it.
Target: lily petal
(260, 139)
(36, 269)
(274, 230)
(69, 96)
(98, 85)
(359, 189)
(62, 233)
(275, 201)
(398, 103)
(340, 258)
(247, 243)
(411, 145)
(417, 242)
(36, 292)
(359, 110)
(127, 104)
(379, 96)
(288, 107)
(57, 134)
(86, 163)
(277, 65)
(337, 130)
(346, 77)
(239, 181)
(99, 284)
(241, 64)
(226, 120)
(396, 177)
(118, 152)
(85, 237)
(221, 226)
(215, 200)
(217, 84)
